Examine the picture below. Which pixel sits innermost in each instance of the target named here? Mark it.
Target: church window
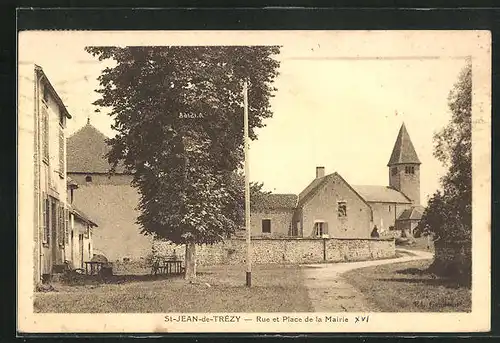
(342, 209)
(88, 178)
(394, 171)
(410, 170)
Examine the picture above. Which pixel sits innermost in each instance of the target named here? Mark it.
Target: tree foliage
(449, 211)
(179, 120)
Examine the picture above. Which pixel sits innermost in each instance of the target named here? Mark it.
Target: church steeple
(404, 167)
(403, 151)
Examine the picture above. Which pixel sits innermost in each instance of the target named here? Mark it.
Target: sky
(341, 99)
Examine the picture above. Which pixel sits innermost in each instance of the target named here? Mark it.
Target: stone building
(109, 199)
(43, 181)
(330, 207)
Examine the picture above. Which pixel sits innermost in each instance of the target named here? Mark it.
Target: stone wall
(284, 250)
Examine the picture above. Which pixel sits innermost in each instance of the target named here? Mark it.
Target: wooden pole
(247, 189)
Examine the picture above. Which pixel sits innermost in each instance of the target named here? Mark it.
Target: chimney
(320, 172)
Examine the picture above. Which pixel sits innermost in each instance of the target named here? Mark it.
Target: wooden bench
(167, 267)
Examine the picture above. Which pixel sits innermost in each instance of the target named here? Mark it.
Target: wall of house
(53, 176)
(78, 252)
(280, 222)
(323, 206)
(383, 217)
(284, 250)
(39, 175)
(28, 185)
(113, 208)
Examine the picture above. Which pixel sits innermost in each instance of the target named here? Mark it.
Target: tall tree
(179, 121)
(449, 211)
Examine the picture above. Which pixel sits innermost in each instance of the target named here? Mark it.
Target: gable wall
(323, 206)
(113, 208)
(280, 222)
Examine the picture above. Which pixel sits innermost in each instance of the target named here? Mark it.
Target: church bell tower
(404, 167)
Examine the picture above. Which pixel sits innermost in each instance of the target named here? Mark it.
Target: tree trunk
(190, 272)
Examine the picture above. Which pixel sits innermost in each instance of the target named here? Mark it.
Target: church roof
(381, 194)
(403, 151)
(414, 213)
(86, 152)
(275, 201)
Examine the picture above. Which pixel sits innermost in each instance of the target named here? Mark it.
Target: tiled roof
(86, 150)
(413, 213)
(381, 194)
(275, 201)
(62, 106)
(311, 189)
(79, 214)
(403, 151)
(317, 183)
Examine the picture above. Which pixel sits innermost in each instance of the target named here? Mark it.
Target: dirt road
(329, 292)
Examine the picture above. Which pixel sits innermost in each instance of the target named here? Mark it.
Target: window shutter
(45, 132)
(66, 224)
(61, 151)
(44, 218)
(60, 236)
(46, 221)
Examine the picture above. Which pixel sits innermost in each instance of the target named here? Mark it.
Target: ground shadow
(448, 283)
(80, 280)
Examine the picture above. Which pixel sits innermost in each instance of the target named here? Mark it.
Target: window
(389, 208)
(61, 234)
(342, 209)
(46, 220)
(66, 225)
(45, 134)
(88, 178)
(410, 170)
(61, 153)
(394, 171)
(266, 225)
(320, 229)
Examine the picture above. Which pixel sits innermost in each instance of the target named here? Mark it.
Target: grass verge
(275, 288)
(407, 287)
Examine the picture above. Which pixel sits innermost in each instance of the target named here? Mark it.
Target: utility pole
(247, 188)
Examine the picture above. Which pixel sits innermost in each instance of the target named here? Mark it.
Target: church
(331, 207)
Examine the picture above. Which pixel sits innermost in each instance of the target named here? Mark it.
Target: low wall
(284, 250)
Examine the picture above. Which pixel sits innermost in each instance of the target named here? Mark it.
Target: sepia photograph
(285, 181)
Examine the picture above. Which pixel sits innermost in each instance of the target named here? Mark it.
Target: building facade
(42, 164)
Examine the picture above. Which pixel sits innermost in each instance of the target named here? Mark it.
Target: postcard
(254, 181)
